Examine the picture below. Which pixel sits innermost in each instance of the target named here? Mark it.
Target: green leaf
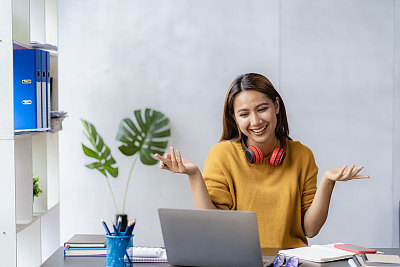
(146, 159)
(160, 124)
(132, 126)
(100, 144)
(163, 144)
(165, 133)
(138, 116)
(89, 152)
(104, 161)
(94, 165)
(111, 170)
(147, 139)
(128, 150)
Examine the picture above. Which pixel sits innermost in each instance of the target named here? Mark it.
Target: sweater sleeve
(309, 184)
(217, 179)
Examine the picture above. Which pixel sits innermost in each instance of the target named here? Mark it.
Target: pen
(105, 227)
(119, 223)
(115, 229)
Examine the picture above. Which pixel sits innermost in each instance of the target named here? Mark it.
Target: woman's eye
(262, 109)
(243, 114)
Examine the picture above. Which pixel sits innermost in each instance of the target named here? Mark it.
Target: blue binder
(38, 63)
(48, 98)
(25, 93)
(44, 89)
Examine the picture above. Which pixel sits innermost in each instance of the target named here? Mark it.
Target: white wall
(396, 139)
(331, 61)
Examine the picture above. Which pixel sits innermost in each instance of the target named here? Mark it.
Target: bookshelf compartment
(23, 178)
(50, 234)
(21, 23)
(37, 21)
(45, 166)
(28, 245)
(53, 185)
(39, 161)
(51, 7)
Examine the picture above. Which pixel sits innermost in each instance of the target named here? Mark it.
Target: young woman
(256, 166)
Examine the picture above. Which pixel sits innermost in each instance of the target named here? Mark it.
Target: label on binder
(26, 102)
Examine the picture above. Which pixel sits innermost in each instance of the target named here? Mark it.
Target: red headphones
(254, 154)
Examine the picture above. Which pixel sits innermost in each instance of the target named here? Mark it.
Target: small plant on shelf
(36, 189)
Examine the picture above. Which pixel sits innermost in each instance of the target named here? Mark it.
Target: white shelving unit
(29, 230)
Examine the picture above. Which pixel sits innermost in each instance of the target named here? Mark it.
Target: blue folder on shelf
(27, 77)
(48, 98)
(31, 90)
(44, 90)
(38, 63)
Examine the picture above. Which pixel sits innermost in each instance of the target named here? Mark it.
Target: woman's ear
(276, 105)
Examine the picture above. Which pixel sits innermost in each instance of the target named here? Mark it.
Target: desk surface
(58, 260)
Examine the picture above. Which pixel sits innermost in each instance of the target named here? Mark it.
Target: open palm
(175, 163)
(345, 173)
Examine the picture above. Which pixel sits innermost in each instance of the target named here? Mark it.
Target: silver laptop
(211, 237)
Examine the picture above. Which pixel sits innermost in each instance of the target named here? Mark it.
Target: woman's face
(255, 113)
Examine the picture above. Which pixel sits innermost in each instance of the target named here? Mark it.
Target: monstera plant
(140, 138)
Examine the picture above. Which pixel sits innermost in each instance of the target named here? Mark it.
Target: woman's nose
(254, 119)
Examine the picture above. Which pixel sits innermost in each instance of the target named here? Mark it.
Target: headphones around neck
(254, 154)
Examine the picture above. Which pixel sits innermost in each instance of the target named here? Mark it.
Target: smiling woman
(256, 166)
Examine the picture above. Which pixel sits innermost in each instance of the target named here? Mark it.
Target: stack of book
(374, 260)
(86, 245)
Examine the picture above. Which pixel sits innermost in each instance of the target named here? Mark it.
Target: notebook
(318, 253)
(211, 237)
(86, 240)
(146, 254)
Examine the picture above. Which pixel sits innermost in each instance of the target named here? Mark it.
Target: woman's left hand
(345, 173)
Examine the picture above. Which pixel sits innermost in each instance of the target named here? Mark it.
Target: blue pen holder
(117, 249)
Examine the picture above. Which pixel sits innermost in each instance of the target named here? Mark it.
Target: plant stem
(112, 194)
(127, 182)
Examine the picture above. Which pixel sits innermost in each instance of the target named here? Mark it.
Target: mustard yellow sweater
(278, 195)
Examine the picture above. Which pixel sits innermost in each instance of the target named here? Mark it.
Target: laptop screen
(211, 237)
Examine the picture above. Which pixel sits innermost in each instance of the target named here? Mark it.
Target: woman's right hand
(176, 164)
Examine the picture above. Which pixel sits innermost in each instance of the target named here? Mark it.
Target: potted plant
(140, 138)
(36, 190)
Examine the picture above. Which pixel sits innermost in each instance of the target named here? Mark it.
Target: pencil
(119, 223)
(105, 226)
(127, 228)
(115, 229)
(131, 227)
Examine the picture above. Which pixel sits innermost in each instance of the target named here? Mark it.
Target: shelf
(42, 46)
(36, 216)
(19, 135)
(18, 45)
(30, 229)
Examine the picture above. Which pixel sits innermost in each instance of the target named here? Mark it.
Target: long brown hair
(251, 81)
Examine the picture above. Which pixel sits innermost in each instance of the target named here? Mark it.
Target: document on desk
(147, 254)
(318, 253)
(379, 260)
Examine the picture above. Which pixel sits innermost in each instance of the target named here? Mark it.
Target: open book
(318, 253)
